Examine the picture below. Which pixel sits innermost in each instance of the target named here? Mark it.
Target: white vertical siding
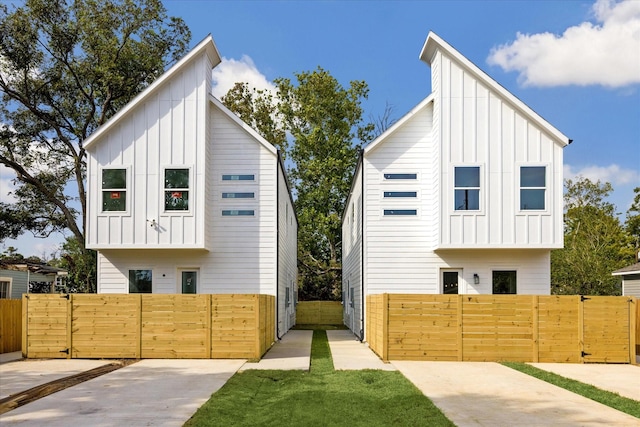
(352, 257)
(477, 127)
(166, 130)
(287, 256)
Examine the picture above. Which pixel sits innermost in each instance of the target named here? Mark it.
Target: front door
(189, 281)
(450, 281)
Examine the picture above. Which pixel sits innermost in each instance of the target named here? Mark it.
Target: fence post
(209, 322)
(139, 328)
(69, 326)
(536, 342)
(385, 327)
(25, 324)
(633, 321)
(581, 328)
(459, 341)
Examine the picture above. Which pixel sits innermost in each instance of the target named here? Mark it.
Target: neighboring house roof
(434, 42)
(207, 45)
(631, 269)
(33, 267)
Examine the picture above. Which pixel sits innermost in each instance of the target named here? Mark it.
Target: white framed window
(238, 195)
(400, 176)
(114, 190)
(451, 281)
(400, 212)
(238, 212)
(238, 177)
(533, 188)
(400, 194)
(467, 186)
(5, 287)
(176, 189)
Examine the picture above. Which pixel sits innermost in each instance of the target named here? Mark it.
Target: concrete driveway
(155, 392)
(490, 394)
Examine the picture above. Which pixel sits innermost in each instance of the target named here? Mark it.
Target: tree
(632, 223)
(324, 121)
(595, 243)
(65, 68)
(80, 265)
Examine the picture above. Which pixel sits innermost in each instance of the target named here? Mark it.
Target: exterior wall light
(476, 279)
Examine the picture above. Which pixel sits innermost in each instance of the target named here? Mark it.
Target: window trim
(461, 282)
(244, 195)
(397, 196)
(519, 189)
(238, 174)
(393, 176)
(9, 288)
(241, 213)
(190, 189)
(400, 213)
(127, 190)
(481, 190)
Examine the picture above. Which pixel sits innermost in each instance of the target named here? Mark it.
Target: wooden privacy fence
(527, 328)
(148, 326)
(10, 325)
(319, 313)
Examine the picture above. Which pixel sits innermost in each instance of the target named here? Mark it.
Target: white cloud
(6, 185)
(231, 71)
(605, 53)
(612, 173)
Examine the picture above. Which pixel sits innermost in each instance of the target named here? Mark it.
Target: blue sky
(576, 63)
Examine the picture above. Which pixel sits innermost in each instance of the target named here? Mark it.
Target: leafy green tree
(595, 242)
(258, 109)
(324, 122)
(80, 265)
(632, 223)
(65, 68)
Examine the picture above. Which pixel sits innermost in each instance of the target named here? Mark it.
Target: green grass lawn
(614, 400)
(321, 397)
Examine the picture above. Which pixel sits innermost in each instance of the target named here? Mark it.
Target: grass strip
(320, 397)
(613, 400)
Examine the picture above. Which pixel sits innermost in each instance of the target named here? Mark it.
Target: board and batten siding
(167, 129)
(478, 127)
(287, 256)
(352, 257)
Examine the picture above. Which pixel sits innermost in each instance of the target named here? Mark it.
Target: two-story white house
(461, 195)
(184, 197)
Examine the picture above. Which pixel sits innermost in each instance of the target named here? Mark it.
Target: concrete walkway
(490, 394)
(349, 353)
(621, 379)
(10, 357)
(153, 392)
(292, 352)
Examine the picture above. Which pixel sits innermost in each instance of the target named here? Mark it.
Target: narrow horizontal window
(400, 176)
(246, 212)
(400, 194)
(238, 177)
(238, 195)
(400, 212)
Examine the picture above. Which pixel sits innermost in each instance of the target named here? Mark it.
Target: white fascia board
(207, 45)
(434, 42)
(397, 125)
(215, 101)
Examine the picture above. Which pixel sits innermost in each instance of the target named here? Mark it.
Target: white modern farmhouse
(461, 195)
(183, 197)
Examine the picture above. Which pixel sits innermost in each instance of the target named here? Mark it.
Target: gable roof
(628, 270)
(215, 101)
(435, 43)
(398, 124)
(207, 45)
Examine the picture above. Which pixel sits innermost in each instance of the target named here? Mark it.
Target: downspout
(361, 160)
(278, 246)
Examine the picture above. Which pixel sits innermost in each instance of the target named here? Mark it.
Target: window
(238, 177)
(352, 293)
(504, 282)
(532, 187)
(400, 176)
(114, 190)
(400, 194)
(5, 288)
(238, 212)
(467, 188)
(176, 189)
(287, 301)
(389, 212)
(140, 281)
(238, 195)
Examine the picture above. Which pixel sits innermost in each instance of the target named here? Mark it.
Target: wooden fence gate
(606, 329)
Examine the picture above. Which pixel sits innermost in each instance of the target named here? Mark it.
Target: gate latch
(65, 296)
(583, 298)
(584, 353)
(66, 351)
